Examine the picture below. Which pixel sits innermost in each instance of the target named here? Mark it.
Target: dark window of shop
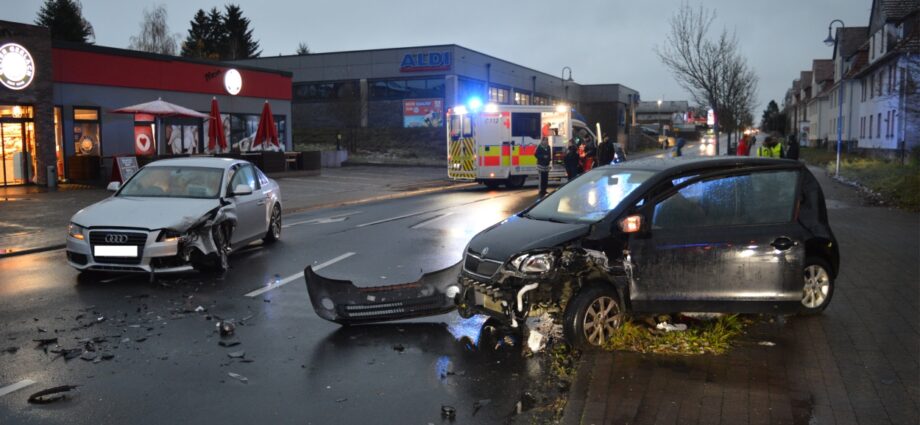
(87, 132)
(525, 124)
(281, 125)
(243, 129)
(326, 91)
(405, 89)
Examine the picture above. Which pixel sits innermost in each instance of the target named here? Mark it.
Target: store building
(402, 89)
(57, 101)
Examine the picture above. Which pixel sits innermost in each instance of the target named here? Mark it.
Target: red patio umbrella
(216, 135)
(267, 133)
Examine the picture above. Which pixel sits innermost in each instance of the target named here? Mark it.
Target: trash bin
(52, 176)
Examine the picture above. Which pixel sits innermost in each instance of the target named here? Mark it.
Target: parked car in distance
(176, 215)
(658, 236)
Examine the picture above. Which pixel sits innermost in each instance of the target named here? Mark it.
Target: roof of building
(805, 80)
(823, 69)
(860, 60)
(910, 43)
(898, 9)
(850, 38)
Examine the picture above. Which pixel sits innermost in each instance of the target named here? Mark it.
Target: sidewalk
(32, 218)
(858, 363)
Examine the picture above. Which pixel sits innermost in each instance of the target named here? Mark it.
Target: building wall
(38, 94)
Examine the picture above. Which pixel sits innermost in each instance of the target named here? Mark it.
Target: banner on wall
(144, 144)
(419, 113)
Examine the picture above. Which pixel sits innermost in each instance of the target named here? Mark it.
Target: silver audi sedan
(177, 215)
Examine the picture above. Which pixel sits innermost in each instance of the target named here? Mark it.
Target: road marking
(324, 220)
(15, 387)
(294, 277)
(393, 218)
(430, 220)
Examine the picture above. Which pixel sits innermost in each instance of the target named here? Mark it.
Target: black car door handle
(783, 243)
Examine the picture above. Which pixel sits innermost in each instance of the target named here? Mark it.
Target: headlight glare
(533, 263)
(75, 231)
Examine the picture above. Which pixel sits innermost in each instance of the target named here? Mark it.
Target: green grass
(706, 337)
(898, 184)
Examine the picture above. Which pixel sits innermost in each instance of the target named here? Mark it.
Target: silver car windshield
(175, 182)
(590, 197)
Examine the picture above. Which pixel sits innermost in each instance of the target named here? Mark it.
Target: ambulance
(495, 144)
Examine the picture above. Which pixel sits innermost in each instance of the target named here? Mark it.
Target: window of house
(540, 100)
(862, 126)
(499, 95)
(870, 126)
(878, 130)
(86, 132)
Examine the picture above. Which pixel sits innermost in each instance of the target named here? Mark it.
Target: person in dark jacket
(605, 152)
(792, 150)
(571, 160)
(680, 146)
(543, 156)
(590, 154)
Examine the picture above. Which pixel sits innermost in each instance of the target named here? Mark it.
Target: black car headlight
(534, 263)
(75, 231)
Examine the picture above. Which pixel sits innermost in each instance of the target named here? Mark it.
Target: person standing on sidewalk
(571, 161)
(743, 147)
(543, 156)
(792, 150)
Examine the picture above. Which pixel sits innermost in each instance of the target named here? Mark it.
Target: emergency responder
(590, 153)
(571, 160)
(543, 156)
(771, 148)
(605, 152)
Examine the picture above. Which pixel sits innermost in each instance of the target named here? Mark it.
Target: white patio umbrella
(160, 108)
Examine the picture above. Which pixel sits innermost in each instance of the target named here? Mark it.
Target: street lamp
(830, 41)
(564, 87)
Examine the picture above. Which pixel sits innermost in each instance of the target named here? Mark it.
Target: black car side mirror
(633, 223)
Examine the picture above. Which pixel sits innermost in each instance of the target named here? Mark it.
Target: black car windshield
(175, 182)
(590, 197)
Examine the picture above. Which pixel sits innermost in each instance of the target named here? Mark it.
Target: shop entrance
(17, 143)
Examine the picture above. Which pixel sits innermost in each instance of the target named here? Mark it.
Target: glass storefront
(17, 142)
(86, 134)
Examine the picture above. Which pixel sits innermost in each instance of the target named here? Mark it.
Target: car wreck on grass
(176, 215)
(657, 236)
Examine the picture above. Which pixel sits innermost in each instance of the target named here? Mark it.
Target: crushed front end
(343, 302)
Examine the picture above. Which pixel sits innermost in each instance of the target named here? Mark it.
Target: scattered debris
(237, 354)
(229, 343)
(766, 343)
(238, 377)
(42, 330)
(88, 356)
(535, 341)
(399, 348)
(479, 404)
(563, 386)
(107, 356)
(667, 327)
(340, 400)
(527, 402)
(448, 411)
(141, 339)
(226, 327)
(199, 309)
(10, 350)
(51, 395)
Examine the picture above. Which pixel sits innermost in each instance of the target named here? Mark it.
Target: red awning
(216, 135)
(267, 133)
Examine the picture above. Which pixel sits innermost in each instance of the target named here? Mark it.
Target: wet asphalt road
(168, 367)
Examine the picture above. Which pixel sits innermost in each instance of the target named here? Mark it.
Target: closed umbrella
(160, 108)
(267, 133)
(216, 135)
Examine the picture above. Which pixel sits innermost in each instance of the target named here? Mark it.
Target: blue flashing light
(474, 104)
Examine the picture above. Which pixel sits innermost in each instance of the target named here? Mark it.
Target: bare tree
(155, 36)
(710, 69)
(738, 95)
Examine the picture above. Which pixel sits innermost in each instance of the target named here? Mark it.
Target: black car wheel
(516, 182)
(818, 286)
(593, 316)
(274, 226)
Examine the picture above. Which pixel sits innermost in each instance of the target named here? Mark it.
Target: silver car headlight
(534, 263)
(75, 231)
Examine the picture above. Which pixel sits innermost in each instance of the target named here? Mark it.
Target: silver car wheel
(601, 320)
(276, 222)
(817, 286)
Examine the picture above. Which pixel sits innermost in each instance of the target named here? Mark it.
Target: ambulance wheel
(515, 182)
(492, 184)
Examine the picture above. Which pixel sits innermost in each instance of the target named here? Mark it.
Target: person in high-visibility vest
(770, 149)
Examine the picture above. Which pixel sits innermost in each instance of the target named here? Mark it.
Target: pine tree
(303, 49)
(65, 20)
(194, 44)
(215, 35)
(239, 42)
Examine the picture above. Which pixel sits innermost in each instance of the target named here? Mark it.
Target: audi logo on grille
(116, 238)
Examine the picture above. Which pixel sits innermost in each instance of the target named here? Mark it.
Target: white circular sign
(142, 143)
(16, 66)
(233, 81)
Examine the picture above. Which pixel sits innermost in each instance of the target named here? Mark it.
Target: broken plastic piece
(226, 327)
(399, 348)
(238, 377)
(535, 341)
(237, 354)
(229, 343)
(51, 395)
(448, 411)
(45, 341)
(667, 327)
(199, 309)
(766, 343)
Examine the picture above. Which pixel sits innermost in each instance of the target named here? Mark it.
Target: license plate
(115, 251)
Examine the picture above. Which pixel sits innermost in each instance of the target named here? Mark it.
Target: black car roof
(682, 164)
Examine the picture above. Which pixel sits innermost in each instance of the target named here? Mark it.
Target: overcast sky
(603, 41)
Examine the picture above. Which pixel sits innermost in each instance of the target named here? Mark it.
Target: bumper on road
(343, 302)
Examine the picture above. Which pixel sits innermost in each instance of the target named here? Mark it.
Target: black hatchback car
(740, 235)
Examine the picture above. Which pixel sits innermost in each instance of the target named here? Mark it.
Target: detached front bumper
(343, 302)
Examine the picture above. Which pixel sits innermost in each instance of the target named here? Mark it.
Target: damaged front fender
(343, 302)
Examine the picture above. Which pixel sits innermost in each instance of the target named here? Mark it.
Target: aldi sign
(426, 61)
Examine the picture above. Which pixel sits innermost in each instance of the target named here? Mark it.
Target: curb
(32, 251)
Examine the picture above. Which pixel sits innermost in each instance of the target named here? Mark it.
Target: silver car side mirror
(113, 186)
(241, 190)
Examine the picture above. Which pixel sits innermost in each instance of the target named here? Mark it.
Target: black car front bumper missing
(343, 302)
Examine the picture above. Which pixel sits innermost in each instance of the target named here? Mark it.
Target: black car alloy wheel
(593, 316)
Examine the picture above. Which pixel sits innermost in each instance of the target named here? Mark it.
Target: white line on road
(331, 219)
(15, 387)
(430, 220)
(393, 219)
(294, 277)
